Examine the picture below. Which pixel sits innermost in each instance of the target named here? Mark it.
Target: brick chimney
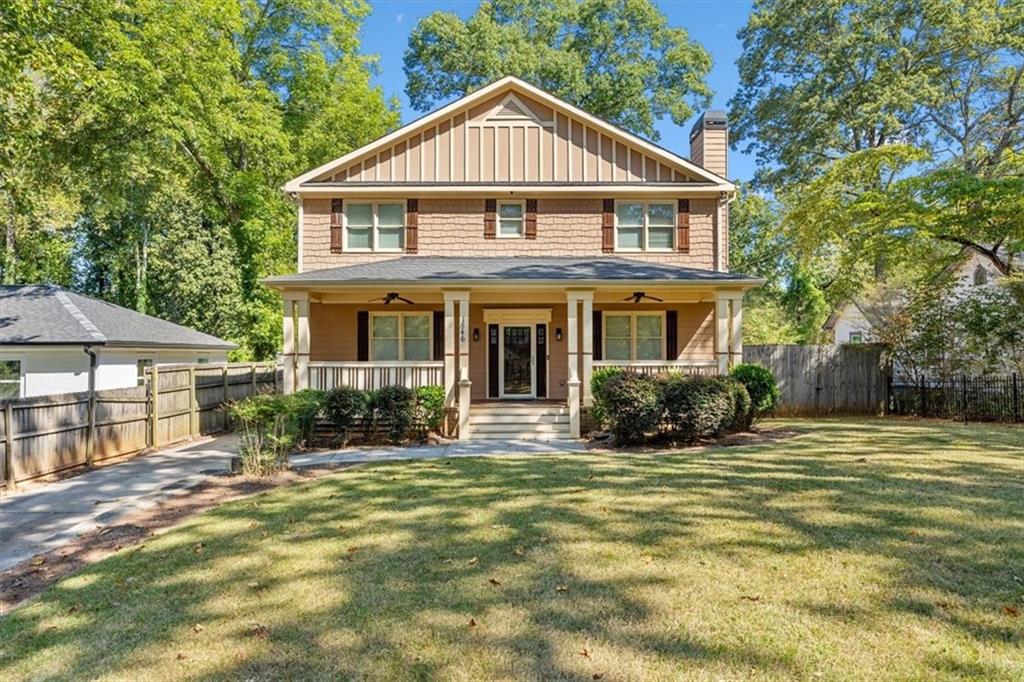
(709, 142)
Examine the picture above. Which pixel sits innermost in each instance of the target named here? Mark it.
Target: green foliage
(618, 60)
(597, 380)
(394, 406)
(344, 406)
(697, 407)
(741, 406)
(268, 432)
(301, 409)
(632, 404)
(430, 407)
(761, 388)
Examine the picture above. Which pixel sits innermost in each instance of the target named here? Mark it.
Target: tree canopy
(617, 59)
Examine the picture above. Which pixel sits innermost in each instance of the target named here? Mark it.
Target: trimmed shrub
(740, 405)
(597, 381)
(697, 407)
(301, 410)
(266, 437)
(430, 407)
(394, 406)
(632, 404)
(344, 407)
(760, 384)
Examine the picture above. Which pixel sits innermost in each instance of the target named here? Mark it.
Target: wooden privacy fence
(824, 380)
(47, 434)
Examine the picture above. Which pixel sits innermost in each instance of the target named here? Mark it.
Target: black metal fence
(988, 398)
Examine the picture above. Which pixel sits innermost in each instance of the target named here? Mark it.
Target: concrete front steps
(519, 421)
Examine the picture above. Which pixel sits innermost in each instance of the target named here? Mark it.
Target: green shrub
(394, 406)
(301, 410)
(740, 405)
(267, 433)
(760, 384)
(597, 381)
(344, 407)
(632, 404)
(697, 407)
(430, 407)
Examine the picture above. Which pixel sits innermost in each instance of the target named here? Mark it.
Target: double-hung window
(10, 379)
(510, 219)
(634, 336)
(400, 336)
(374, 226)
(142, 367)
(644, 226)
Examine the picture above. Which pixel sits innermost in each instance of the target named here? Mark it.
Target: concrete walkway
(45, 517)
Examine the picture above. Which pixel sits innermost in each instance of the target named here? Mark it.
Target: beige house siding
(565, 227)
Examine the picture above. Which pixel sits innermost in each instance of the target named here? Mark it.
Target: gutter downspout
(90, 434)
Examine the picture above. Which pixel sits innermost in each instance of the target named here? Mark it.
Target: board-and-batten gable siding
(565, 227)
(481, 146)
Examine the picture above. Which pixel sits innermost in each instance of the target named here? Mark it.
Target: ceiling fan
(639, 295)
(389, 297)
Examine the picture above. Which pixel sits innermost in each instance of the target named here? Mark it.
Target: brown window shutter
(530, 220)
(412, 225)
(336, 208)
(683, 226)
(672, 334)
(608, 226)
(362, 335)
(490, 218)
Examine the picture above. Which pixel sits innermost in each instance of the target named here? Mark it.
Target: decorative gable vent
(510, 109)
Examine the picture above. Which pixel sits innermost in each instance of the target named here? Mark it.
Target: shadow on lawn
(390, 557)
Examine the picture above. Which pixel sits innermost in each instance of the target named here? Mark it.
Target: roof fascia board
(533, 190)
(518, 284)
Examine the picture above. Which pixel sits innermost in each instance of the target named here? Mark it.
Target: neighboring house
(849, 323)
(49, 336)
(503, 247)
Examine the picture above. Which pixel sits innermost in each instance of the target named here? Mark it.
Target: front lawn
(860, 549)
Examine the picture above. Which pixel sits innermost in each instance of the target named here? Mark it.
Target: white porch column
(449, 349)
(722, 332)
(465, 385)
(288, 350)
(587, 297)
(736, 332)
(573, 384)
(302, 342)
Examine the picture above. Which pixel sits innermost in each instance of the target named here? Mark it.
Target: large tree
(618, 59)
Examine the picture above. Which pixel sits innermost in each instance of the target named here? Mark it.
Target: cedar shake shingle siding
(565, 227)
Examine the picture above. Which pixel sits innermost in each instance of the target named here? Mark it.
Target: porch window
(634, 336)
(10, 379)
(374, 226)
(644, 226)
(400, 336)
(510, 219)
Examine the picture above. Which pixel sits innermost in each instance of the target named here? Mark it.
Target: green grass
(857, 550)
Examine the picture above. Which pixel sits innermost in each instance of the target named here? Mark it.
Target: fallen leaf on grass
(585, 654)
(181, 656)
(494, 582)
(597, 676)
(647, 559)
(472, 622)
(561, 588)
(473, 561)
(259, 631)
(75, 608)
(1011, 611)
(518, 551)
(198, 547)
(352, 549)
(39, 561)
(197, 628)
(750, 598)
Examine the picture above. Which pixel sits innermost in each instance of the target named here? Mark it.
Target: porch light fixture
(476, 333)
(558, 333)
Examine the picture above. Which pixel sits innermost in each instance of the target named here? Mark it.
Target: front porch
(494, 347)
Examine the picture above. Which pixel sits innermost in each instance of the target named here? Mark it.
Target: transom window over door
(400, 337)
(374, 226)
(634, 336)
(510, 219)
(645, 225)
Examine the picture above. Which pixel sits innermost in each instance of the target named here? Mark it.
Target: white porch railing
(324, 376)
(706, 368)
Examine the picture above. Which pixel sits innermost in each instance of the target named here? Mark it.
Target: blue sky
(712, 23)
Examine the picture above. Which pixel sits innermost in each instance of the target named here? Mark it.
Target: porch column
(288, 350)
(302, 341)
(573, 384)
(722, 331)
(736, 331)
(449, 349)
(465, 385)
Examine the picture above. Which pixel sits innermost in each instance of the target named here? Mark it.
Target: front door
(517, 354)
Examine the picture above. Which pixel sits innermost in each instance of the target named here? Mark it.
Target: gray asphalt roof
(43, 314)
(517, 268)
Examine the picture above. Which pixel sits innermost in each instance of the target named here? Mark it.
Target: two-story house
(505, 246)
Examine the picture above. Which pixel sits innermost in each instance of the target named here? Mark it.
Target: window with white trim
(400, 336)
(856, 337)
(10, 379)
(374, 226)
(645, 226)
(634, 336)
(142, 366)
(510, 218)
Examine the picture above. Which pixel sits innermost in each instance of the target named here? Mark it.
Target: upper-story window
(374, 226)
(510, 218)
(644, 226)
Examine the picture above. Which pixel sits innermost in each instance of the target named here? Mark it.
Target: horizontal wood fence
(825, 379)
(48, 434)
(988, 398)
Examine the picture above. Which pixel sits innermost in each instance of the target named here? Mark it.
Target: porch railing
(705, 368)
(324, 376)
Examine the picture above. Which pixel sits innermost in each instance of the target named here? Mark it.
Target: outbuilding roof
(468, 270)
(42, 314)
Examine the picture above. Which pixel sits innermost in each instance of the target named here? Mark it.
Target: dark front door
(517, 373)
